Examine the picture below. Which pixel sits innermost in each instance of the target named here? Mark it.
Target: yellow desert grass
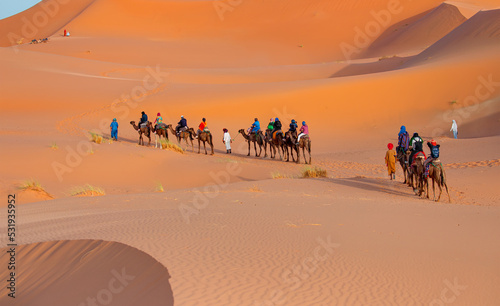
(315, 172)
(96, 137)
(34, 185)
(277, 175)
(54, 146)
(87, 191)
(159, 187)
(167, 145)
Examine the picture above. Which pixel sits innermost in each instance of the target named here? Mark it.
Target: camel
(290, 143)
(182, 135)
(143, 131)
(417, 174)
(402, 157)
(159, 133)
(260, 140)
(204, 137)
(437, 174)
(305, 144)
(276, 143)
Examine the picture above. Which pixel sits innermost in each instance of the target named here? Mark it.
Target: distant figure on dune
(114, 129)
(227, 141)
(390, 161)
(65, 32)
(454, 128)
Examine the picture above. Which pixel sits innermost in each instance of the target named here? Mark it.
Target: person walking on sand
(114, 129)
(390, 161)
(454, 128)
(227, 141)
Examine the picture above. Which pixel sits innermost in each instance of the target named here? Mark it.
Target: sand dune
(77, 272)
(40, 21)
(480, 33)
(418, 35)
(249, 238)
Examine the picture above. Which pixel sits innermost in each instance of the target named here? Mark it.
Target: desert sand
(168, 228)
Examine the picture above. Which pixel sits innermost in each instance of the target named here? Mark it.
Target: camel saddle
(418, 154)
(434, 162)
(276, 133)
(143, 125)
(162, 126)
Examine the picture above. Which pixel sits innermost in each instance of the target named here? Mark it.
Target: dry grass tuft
(315, 172)
(87, 191)
(277, 175)
(54, 146)
(167, 145)
(159, 187)
(97, 138)
(34, 185)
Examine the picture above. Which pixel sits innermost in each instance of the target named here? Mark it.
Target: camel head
(132, 122)
(242, 131)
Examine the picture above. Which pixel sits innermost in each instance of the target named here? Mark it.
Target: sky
(12, 7)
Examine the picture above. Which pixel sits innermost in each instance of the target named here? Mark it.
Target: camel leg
(433, 189)
(309, 151)
(449, 198)
(205, 147)
(212, 146)
(255, 148)
(440, 191)
(427, 188)
(199, 145)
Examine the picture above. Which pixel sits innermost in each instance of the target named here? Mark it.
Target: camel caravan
(282, 144)
(418, 169)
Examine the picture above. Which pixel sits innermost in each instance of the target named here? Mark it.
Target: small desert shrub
(167, 145)
(159, 187)
(96, 137)
(313, 172)
(278, 175)
(33, 185)
(87, 191)
(54, 146)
